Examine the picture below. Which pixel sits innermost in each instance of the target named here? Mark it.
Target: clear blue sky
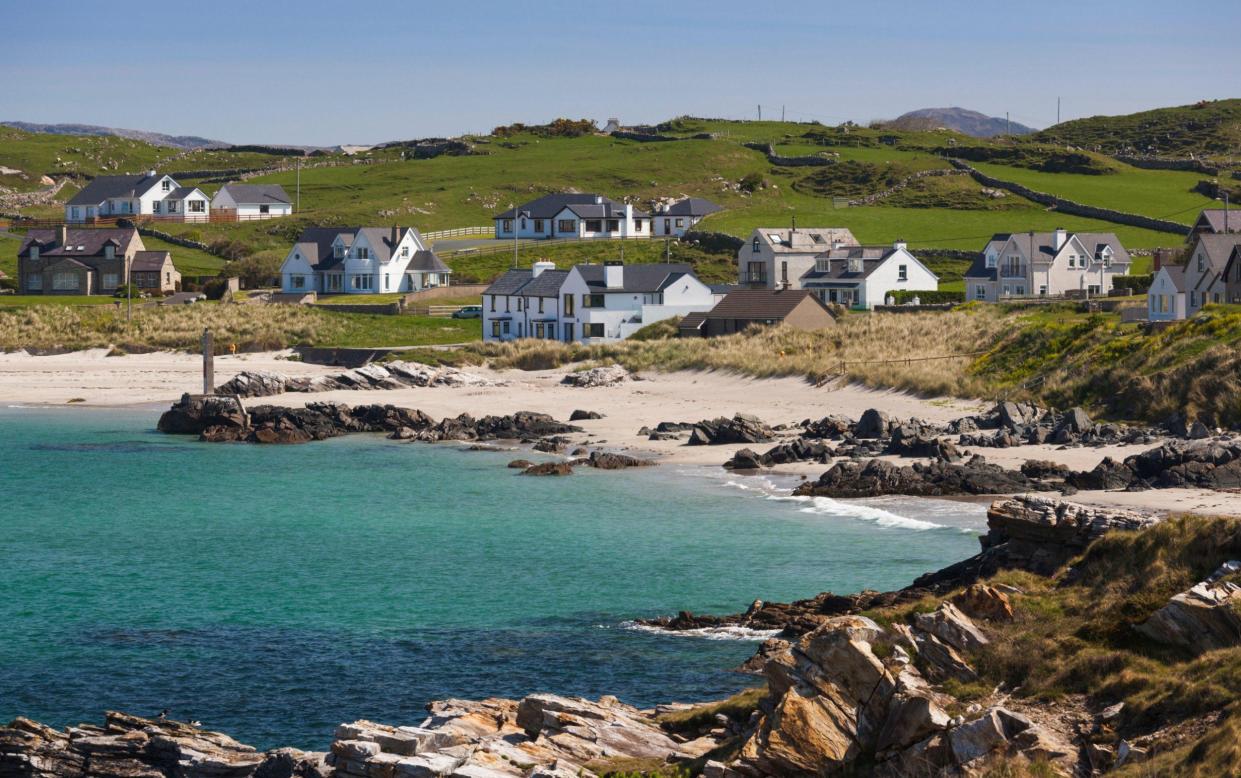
(364, 71)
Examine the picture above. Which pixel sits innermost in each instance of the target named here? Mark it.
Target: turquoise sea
(274, 592)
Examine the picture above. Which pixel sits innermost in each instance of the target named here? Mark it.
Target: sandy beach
(90, 378)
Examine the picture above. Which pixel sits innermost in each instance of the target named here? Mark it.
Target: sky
(367, 71)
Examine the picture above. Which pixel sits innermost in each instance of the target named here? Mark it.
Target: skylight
(775, 238)
(816, 237)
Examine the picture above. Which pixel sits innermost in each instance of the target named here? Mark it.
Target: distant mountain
(1211, 127)
(962, 120)
(154, 138)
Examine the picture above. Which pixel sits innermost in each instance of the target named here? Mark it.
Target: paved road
(451, 244)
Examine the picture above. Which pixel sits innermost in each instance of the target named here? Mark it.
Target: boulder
(609, 375)
(1202, 618)
(873, 424)
(549, 468)
(985, 602)
(520, 464)
(195, 413)
(605, 460)
(580, 415)
(741, 428)
(951, 626)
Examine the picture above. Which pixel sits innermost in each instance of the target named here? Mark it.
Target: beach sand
(155, 380)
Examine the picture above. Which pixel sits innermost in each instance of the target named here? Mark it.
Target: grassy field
(1164, 194)
(710, 267)
(1212, 128)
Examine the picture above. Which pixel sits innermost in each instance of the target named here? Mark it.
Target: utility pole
(1057, 110)
(299, 184)
(129, 292)
(760, 112)
(1226, 213)
(1008, 130)
(208, 363)
(782, 113)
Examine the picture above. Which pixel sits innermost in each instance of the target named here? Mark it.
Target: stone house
(80, 261)
(153, 271)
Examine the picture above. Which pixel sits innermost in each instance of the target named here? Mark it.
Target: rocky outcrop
(607, 460)
(796, 450)
(390, 375)
(1205, 464)
(1205, 617)
(132, 747)
(609, 375)
(549, 468)
(741, 428)
(879, 477)
(216, 419)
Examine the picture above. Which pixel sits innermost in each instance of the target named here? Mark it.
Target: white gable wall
(1164, 302)
(887, 278)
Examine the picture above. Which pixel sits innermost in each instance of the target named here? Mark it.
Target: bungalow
(253, 201)
(1165, 300)
(863, 276)
(147, 194)
(1206, 270)
(69, 260)
(589, 303)
(1043, 264)
(361, 260)
(745, 308)
(681, 216)
(775, 258)
(569, 215)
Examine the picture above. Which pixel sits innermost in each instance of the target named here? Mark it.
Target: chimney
(396, 237)
(613, 274)
(598, 199)
(899, 243)
(628, 212)
(62, 235)
(150, 174)
(1060, 236)
(793, 231)
(538, 267)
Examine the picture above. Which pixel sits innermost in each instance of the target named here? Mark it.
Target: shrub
(1132, 284)
(128, 290)
(751, 182)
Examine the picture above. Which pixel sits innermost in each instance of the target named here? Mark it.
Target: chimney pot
(62, 235)
(538, 267)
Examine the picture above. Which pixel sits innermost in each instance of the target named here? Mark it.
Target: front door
(667, 226)
(568, 332)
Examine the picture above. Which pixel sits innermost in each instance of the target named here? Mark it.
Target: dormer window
(855, 266)
(364, 253)
(991, 260)
(338, 251)
(109, 251)
(823, 265)
(34, 251)
(756, 246)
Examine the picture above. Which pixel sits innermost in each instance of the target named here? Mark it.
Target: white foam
(826, 506)
(708, 633)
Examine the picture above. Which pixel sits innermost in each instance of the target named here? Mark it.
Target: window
(493, 303)
(1021, 291)
(297, 282)
(822, 266)
(506, 326)
(613, 225)
(523, 223)
(166, 185)
(172, 206)
(506, 225)
(62, 282)
(1072, 261)
(592, 301)
(991, 260)
(333, 282)
(34, 281)
(980, 292)
(361, 283)
(566, 225)
(540, 305)
(755, 247)
(568, 304)
(495, 328)
(338, 251)
(34, 252)
(594, 225)
(200, 206)
(1193, 299)
(363, 253)
(111, 280)
(77, 212)
(109, 251)
(507, 302)
(902, 272)
(519, 303)
(637, 225)
(680, 222)
(387, 282)
(404, 251)
(550, 332)
(594, 331)
(757, 273)
(538, 225)
(1093, 289)
(1042, 291)
(155, 207)
(1202, 262)
(264, 208)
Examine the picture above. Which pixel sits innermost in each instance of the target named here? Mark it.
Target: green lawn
(364, 330)
(711, 268)
(27, 300)
(189, 262)
(1164, 194)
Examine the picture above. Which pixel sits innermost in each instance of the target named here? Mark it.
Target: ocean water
(274, 592)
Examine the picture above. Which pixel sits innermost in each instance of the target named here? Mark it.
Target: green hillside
(1207, 128)
(899, 184)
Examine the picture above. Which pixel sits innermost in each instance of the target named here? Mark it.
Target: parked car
(468, 312)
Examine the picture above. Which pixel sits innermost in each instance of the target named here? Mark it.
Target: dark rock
(549, 468)
(194, 413)
(741, 428)
(604, 460)
(873, 424)
(584, 415)
(878, 477)
(520, 464)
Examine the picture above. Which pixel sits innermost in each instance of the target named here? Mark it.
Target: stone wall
(650, 137)
(390, 309)
(781, 161)
(1072, 207)
(1152, 163)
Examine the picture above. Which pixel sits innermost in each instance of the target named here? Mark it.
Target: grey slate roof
(149, 261)
(1176, 274)
(636, 279)
(979, 269)
(1218, 248)
(257, 194)
(315, 243)
(584, 205)
(106, 187)
(1213, 219)
(691, 206)
(546, 284)
(509, 283)
(425, 261)
(1041, 247)
(692, 322)
(92, 241)
(181, 192)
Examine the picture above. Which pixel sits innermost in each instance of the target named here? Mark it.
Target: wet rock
(194, 413)
(879, 477)
(604, 460)
(549, 468)
(520, 464)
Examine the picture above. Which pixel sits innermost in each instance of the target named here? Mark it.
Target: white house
(147, 194)
(1165, 301)
(589, 303)
(1206, 278)
(570, 215)
(253, 201)
(1041, 264)
(863, 276)
(361, 260)
(777, 258)
(680, 217)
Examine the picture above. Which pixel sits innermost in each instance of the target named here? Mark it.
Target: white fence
(458, 232)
